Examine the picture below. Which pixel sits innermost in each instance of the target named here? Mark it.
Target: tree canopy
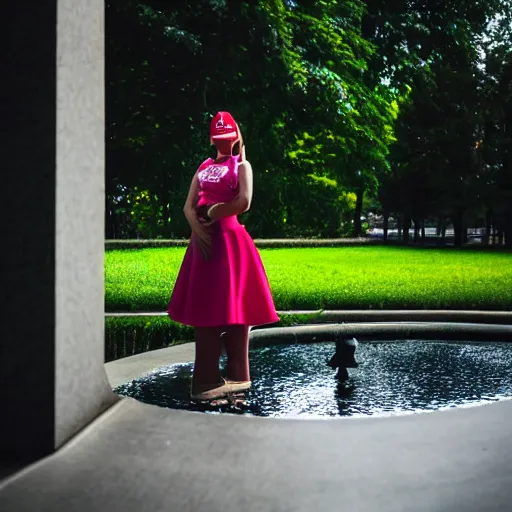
(402, 107)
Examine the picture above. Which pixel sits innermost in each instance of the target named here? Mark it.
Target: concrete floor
(138, 457)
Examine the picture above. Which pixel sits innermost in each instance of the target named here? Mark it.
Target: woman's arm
(200, 231)
(242, 202)
(190, 203)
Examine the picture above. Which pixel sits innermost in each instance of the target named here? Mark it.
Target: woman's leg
(236, 341)
(208, 348)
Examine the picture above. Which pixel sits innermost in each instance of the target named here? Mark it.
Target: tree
(290, 71)
(435, 163)
(496, 158)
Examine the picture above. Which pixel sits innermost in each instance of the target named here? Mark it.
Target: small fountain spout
(344, 358)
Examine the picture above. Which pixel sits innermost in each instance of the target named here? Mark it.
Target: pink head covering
(223, 127)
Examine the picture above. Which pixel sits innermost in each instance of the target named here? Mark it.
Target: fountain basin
(393, 377)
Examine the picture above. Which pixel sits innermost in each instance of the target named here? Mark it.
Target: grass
(332, 278)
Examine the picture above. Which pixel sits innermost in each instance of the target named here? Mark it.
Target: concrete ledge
(364, 315)
(418, 315)
(383, 331)
(129, 368)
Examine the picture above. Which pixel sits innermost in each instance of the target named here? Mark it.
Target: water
(392, 378)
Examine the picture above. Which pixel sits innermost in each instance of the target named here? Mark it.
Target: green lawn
(332, 278)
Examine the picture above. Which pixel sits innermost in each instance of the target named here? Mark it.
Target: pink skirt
(231, 287)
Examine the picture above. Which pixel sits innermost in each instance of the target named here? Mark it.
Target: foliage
(407, 102)
(494, 153)
(167, 74)
(438, 165)
(325, 211)
(146, 213)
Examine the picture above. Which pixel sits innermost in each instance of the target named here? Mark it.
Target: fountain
(344, 358)
(390, 376)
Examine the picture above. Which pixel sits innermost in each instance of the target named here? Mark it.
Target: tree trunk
(423, 233)
(358, 212)
(386, 225)
(458, 228)
(416, 230)
(109, 228)
(407, 226)
(507, 228)
(487, 234)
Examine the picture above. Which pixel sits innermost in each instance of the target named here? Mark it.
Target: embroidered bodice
(218, 181)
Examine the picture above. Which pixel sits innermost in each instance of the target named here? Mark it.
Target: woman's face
(225, 146)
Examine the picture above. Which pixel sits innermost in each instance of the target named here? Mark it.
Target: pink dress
(231, 287)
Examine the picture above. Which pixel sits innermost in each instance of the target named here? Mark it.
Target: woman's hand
(202, 237)
(241, 203)
(213, 212)
(201, 232)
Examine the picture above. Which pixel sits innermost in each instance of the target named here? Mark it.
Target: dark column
(52, 380)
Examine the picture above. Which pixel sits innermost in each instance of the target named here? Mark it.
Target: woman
(221, 288)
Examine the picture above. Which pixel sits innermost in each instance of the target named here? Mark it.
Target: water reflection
(344, 396)
(392, 377)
